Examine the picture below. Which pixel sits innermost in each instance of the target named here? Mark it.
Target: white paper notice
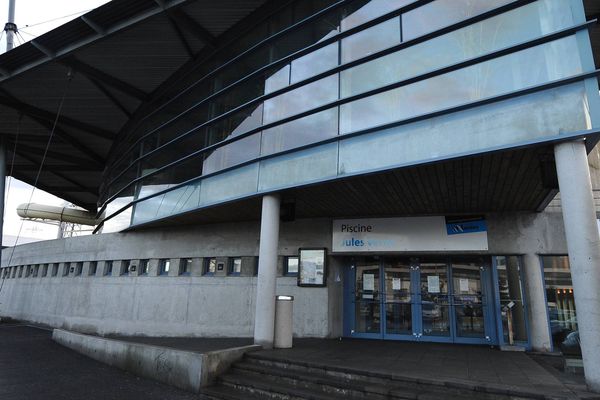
(464, 284)
(368, 282)
(433, 283)
(396, 284)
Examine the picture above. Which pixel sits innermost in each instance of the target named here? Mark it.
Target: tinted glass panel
(372, 10)
(371, 40)
(441, 13)
(529, 67)
(302, 99)
(469, 42)
(309, 129)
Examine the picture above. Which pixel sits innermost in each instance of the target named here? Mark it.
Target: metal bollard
(284, 330)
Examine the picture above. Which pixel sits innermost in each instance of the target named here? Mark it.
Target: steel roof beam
(184, 20)
(42, 48)
(111, 97)
(80, 187)
(56, 167)
(10, 101)
(180, 36)
(59, 132)
(101, 76)
(77, 161)
(95, 27)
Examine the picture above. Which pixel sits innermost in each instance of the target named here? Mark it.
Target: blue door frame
(488, 303)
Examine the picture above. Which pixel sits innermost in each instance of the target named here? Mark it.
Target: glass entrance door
(434, 301)
(398, 295)
(367, 300)
(441, 300)
(468, 300)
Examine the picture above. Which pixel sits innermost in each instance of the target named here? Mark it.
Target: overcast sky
(34, 18)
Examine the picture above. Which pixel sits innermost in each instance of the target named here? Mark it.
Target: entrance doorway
(440, 300)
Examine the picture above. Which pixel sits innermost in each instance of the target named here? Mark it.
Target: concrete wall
(197, 305)
(170, 305)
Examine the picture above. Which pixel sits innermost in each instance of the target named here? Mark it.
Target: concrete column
(583, 244)
(536, 302)
(264, 320)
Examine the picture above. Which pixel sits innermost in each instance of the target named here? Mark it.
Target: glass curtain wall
(296, 85)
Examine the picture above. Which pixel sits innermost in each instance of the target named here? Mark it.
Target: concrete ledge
(184, 369)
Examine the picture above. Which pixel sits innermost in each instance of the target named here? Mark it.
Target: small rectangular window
(185, 266)
(44, 270)
(93, 268)
(78, 268)
(235, 266)
(108, 268)
(66, 268)
(36, 270)
(290, 267)
(164, 266)
(27, 271)
(125, 267)
(20, 271)
(55, 269)
(210, 266)
(143, 267)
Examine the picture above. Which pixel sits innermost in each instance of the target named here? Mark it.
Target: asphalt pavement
(32, 367)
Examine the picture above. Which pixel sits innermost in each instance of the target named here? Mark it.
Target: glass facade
(561, 304)
(394, 75)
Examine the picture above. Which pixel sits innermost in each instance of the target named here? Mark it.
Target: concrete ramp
(187, 370)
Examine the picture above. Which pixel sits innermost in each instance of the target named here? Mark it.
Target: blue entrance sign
(457, 226)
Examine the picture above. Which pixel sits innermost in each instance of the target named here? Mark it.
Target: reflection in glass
(434, 299)
(302, 99)
(366, 290)
(468, 299)
(314, 63)
(440, 13)
(398, 298)
(371, 10)
(469, 42)
(299, 132)
(561, 304)
(371, 40)
(512, 309)
(515, 71)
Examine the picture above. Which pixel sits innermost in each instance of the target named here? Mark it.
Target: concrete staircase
(259, 376)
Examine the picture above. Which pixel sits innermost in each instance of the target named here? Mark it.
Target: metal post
(10, 26)
(2, 188)
(583, 244)
(264, 319)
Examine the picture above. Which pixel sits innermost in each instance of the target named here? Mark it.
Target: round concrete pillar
(583, 244)
(264, 319)
(539, 333)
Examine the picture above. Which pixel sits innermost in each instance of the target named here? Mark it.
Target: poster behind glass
(312, 267)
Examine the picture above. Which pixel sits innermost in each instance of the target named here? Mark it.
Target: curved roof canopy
(105, 64)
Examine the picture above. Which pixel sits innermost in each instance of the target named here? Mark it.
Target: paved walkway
(34, 367)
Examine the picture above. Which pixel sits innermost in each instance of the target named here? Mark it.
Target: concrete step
(221, 392)
(425, 387)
